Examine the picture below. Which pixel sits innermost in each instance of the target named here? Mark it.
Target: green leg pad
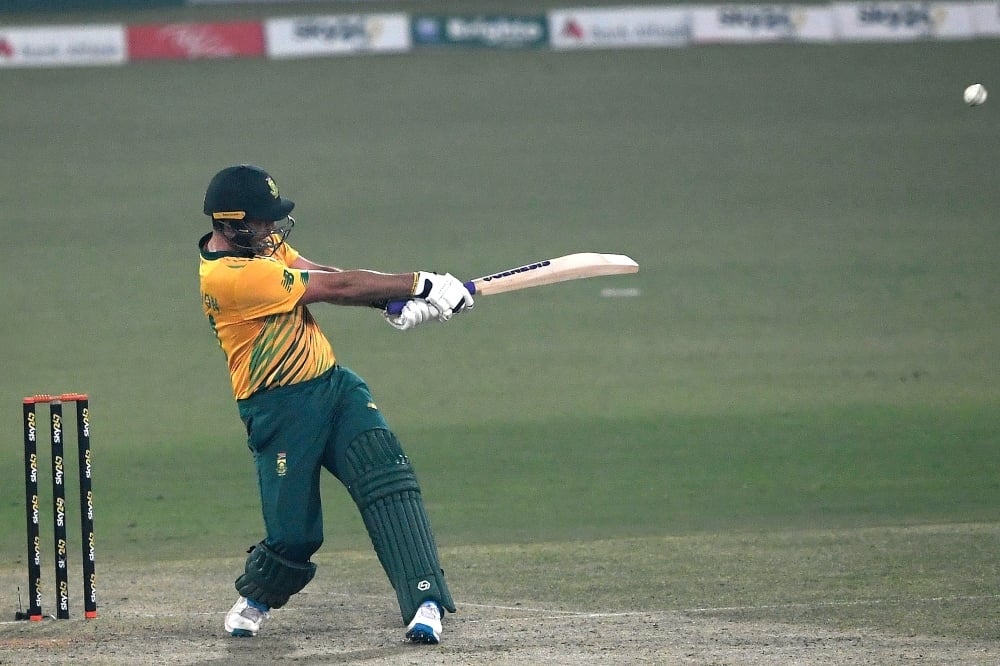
(381, 480)
(271, 579)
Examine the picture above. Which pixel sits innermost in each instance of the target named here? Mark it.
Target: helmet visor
(260, 239)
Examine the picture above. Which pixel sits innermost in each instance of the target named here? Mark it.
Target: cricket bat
(547, 271)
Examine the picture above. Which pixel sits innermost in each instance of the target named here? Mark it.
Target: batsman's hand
(444, 292)
(414, 313)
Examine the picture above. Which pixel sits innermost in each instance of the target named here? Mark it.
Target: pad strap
(270, 578)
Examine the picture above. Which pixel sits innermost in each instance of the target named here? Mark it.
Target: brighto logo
(494, 31)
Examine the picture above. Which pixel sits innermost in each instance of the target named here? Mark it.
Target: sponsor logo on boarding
(427, 30)
(778, 20)
(515, 271)
(195, 40)
(744, 24)
(337, 35)
(62, 45)
(622, 28)
(895, 16)
(763, 18)
(483, 31)
(349, 29)
(903, 20)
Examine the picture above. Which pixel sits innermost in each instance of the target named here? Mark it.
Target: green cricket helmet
(246, 193)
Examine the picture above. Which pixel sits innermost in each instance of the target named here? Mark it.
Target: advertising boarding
(503, 32)
(743, 24)
(902, 21)
(189, 41)
(626, 27)
(304, 37)
(53, 46)
(985, 18)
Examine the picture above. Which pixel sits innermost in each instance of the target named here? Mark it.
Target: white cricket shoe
(425, 627)
(244, 620)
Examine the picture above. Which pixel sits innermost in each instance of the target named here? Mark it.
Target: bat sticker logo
(515, 271)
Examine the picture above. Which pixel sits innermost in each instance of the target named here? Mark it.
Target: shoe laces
(430, 609)
(253, 614)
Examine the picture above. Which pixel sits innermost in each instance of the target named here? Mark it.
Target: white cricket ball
(975, 94)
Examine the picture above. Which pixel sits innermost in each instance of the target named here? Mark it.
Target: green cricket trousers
(294, 432)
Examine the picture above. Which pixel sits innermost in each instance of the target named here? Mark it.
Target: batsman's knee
(376, 467)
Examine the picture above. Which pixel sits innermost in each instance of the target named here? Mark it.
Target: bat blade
(547, 271)
(550, 271)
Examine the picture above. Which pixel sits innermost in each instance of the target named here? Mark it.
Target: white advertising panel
(713, 24)
(310, 36)
(625, 27)
(902, 21)
(985, 18)
(60, 46)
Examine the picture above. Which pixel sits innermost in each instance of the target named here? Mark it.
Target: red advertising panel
(189, 41)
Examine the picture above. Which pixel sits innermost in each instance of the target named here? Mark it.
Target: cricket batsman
(304, 411)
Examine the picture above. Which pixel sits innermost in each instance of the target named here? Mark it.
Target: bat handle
(396, 307)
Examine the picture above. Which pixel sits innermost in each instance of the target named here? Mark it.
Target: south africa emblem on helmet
(282, 465)
(271, 185)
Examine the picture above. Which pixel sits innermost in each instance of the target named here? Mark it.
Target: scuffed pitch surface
(171, 613)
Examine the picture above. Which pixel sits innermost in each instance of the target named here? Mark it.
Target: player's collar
(209, 255)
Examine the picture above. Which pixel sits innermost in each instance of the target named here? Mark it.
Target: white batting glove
(414, 313)
(444, 292)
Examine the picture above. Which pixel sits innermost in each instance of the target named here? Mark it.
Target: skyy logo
(756, 18)
(896, 16)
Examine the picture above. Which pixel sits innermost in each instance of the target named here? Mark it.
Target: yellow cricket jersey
(252, 304)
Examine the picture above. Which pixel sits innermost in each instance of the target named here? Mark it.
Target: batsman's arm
(365, 287)
(304, 264)
(355, 287)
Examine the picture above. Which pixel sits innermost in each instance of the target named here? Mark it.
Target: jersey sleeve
(269, 287)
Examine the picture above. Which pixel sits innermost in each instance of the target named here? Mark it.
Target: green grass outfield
(810, 364)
